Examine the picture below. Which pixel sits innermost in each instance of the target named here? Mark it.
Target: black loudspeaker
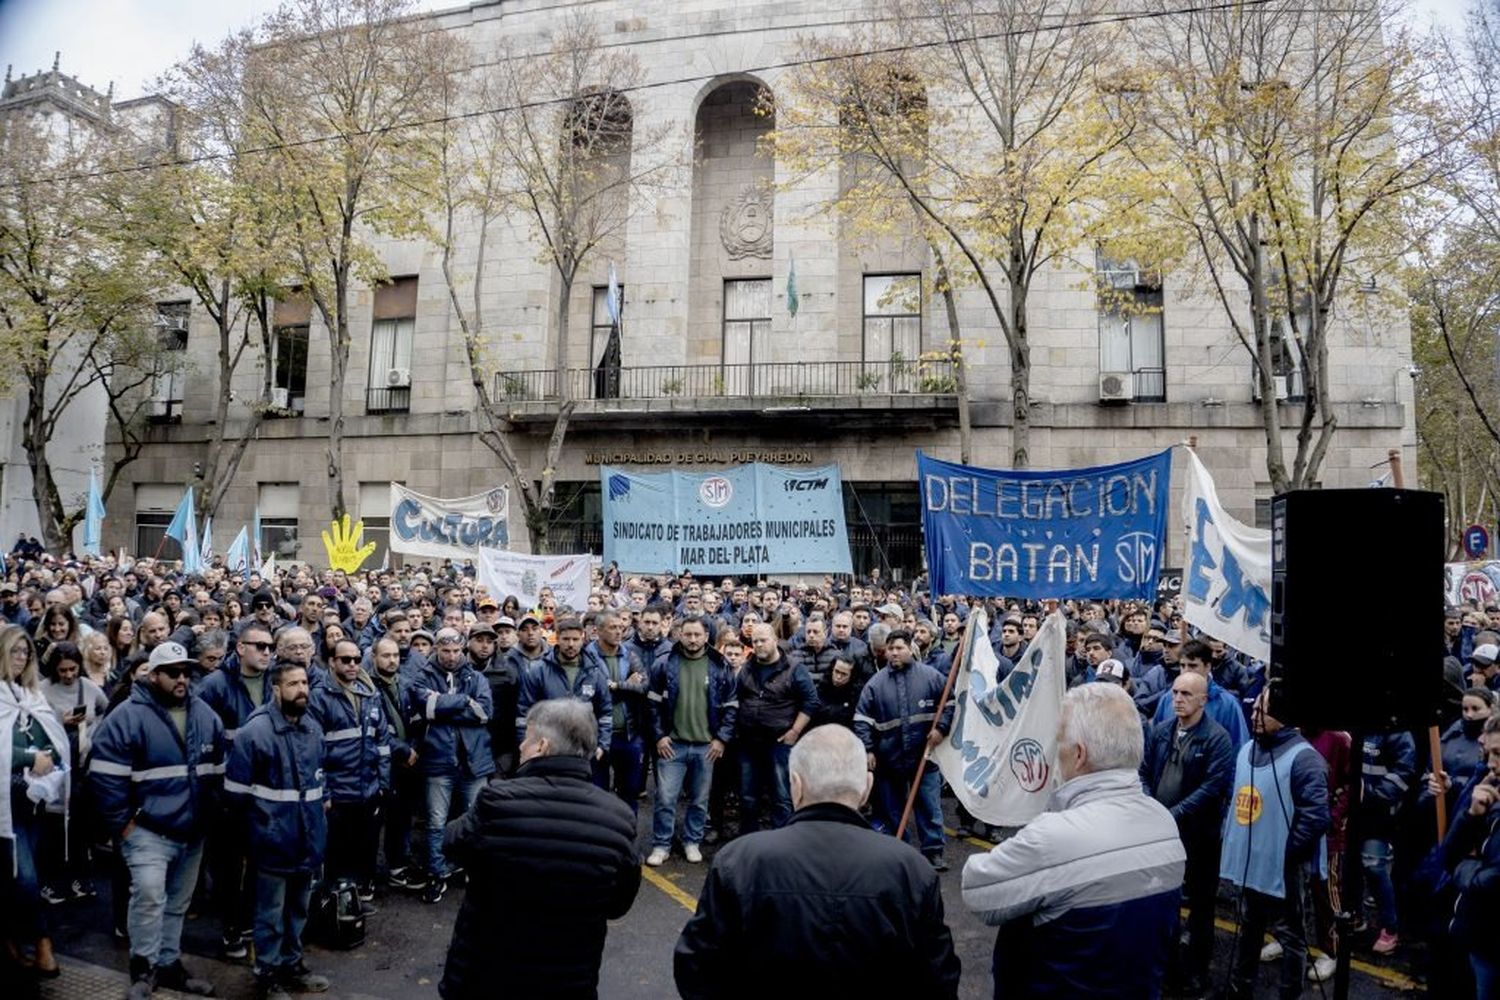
(1357, 609)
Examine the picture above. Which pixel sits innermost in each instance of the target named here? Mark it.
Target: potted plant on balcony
(867, 381)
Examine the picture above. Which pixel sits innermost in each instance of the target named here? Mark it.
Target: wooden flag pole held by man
(937, 714)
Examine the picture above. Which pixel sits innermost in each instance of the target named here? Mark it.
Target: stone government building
(715, 369)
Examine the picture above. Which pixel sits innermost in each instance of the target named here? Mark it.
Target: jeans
(1486, 977)
(281, 903)
(1285, 918)
(689, 764)
(23, 914)
(627, 761)
(440, 789)
(1376, 857)
(890, 802)
(163, 874)
(764, 779)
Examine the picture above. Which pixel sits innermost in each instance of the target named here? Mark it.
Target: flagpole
(937, 715)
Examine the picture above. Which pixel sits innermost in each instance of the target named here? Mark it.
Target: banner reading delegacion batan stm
(746, 519)
(1076, 533)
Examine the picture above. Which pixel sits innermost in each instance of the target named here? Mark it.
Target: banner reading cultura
(449, 529)
(1078, 533)
(746, 519)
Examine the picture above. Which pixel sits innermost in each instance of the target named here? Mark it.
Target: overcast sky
(129, 42)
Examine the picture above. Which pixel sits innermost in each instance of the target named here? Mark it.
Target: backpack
(335, 919)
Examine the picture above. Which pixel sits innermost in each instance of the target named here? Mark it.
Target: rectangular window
(395, 323)
(155, 503)
(747, 328)
(278, 504)
(291, 319)
(605, 377)
(169, 381)
(1130, 328)
(375, 515)
(1286, 370)
(892, 340)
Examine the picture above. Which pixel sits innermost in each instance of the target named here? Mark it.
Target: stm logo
(804, 485)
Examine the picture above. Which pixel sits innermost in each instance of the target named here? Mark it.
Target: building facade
(715, 368)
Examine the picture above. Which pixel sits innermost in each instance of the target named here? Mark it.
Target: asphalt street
(402, 957)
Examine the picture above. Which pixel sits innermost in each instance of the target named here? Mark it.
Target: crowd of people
(281, 749)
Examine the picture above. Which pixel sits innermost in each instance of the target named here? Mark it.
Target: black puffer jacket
(823, 907)
(550, 859)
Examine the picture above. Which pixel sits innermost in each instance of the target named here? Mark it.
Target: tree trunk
(565, 297)
(956, 358)
(1020, 379)
(338, 335)
(49, 508)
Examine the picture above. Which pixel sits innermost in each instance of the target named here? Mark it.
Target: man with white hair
(1086, 894)
(824, 903)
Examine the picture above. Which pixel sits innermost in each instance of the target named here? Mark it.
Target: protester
(630, 722)
(1390, 768)
(776, 702)
(824, 906)
(1273, 838)
(274, 781)
(534, 918)
(157, 771)
(563, 673)
(1068, 927)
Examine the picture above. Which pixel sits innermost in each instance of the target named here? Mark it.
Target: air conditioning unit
(398, 378)
(1116, 387)
(279, 397)
(1278, 382)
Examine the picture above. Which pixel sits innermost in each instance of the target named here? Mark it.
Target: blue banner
(746, 519)
(1076, 533)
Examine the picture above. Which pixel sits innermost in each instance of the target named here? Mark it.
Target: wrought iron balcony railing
(792, 378)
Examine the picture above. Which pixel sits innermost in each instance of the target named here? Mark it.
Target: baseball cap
(1112, 670)
(7, 587)
(486, 602)
(169, 653)
(529, 617)
(891, 608)
(422, 633)
(1487, 653)
(480, 628)
(448, 637)
(505, 621)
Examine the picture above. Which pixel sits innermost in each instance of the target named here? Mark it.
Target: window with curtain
(892, 340)
(599, 326)
(169, 382)
(1130, 327)
(394, 326)
(747, 328)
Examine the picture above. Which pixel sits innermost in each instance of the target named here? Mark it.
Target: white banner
(504, 573)
(1001, 755)
(1226, 585)
(449, 529)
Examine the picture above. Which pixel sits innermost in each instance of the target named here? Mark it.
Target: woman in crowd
(332, 635)
(233, 610)
(121, 634)
(57, 625)
(34, 752)
(98, 660)
(79, 703)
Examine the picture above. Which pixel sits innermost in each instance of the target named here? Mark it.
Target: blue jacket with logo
(637, 714)
(453, 712)
(224, 691)
(544, 680)
(723, 694)
(1222, 707)
(356, 746)
(142, 770)
(275, 777)
(895, 714)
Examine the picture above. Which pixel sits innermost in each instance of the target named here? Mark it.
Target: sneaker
(657, 857)
(1271, 952)
(1387, 942)
(81, 890)
(407, 877)
(300, 979)
(175, 977)
(1322, 969)
(936, 860)
(366, 892)
(436, 889)
(268, 987)
(53, 896)
(235, 945)
(142, 979)
(692, 853)
(456, 875)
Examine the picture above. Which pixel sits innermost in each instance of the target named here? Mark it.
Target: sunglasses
(264, 647)
(174, 672)
(346, 659)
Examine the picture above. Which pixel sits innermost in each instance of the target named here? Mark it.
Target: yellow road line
(669, 887)
(1390, 977)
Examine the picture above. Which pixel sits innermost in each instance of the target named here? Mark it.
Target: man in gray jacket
(1071, 925)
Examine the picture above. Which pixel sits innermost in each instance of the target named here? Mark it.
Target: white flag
(1226, 587)
(1001, 755)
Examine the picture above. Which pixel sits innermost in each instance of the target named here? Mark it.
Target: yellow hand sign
(344, 551)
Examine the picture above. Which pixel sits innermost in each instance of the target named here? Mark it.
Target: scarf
(18, 704)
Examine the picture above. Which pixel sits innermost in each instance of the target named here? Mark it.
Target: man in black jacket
(534, 917)
(1188, 767)
(825, 902)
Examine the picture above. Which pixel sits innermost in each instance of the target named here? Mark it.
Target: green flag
(791, 286)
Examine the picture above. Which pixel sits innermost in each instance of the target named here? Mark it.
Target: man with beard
(408, 789)
(850, 647)
(565, 674)
(649, 640)
(625, 759)
(274, 781)
(504, 679)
